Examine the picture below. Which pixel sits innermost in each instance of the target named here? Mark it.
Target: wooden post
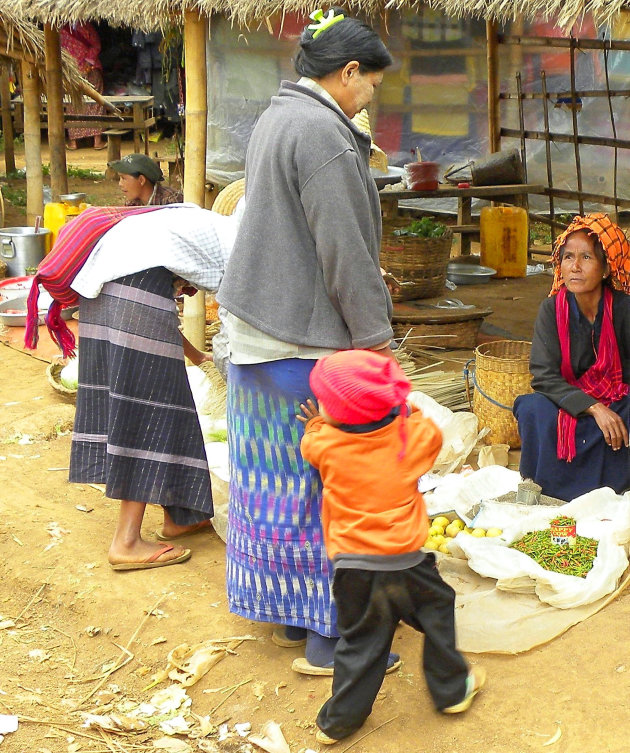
(492, 54)
(54, 95)
(32, 143)
(7, 123)
(195, 38)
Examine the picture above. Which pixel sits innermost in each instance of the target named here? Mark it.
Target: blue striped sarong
(136, 428)
(277, 569)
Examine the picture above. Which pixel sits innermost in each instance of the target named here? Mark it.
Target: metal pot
(22, 248)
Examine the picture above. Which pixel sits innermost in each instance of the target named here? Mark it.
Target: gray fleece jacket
(305, 266)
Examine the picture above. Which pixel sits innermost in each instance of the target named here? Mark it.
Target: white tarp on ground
(506, 602)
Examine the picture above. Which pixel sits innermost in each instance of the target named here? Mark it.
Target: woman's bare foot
(171, 530)
(141, 551)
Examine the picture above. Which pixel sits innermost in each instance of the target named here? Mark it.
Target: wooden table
(517, 195)
(137, 116)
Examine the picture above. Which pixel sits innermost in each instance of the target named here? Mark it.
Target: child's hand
(309, 410)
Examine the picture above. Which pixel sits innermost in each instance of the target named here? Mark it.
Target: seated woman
(140, 181)
(574, 427)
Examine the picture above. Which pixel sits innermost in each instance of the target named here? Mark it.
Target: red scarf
(603, 380)
(74, 244)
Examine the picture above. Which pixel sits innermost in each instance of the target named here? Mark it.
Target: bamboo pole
(32, 143)
(576, 146)
(195, 37)
(545, 101)
(494, 129)
(54, 95)
(7, 122)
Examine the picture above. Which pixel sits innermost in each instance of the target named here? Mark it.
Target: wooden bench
(114, 139)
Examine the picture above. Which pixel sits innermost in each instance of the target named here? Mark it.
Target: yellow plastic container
(504, 240)
(57, 213)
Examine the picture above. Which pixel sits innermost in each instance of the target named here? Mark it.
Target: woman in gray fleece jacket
(303, 281)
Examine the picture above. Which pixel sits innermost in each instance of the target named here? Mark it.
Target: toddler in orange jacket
(370, 448)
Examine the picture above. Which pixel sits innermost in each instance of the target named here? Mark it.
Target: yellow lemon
(436, 530)
(478, 533)
(440, 521)
(443, 548)
(439, 540)
(459, 523)
(494, 532)
(430, 544)
(452, 530)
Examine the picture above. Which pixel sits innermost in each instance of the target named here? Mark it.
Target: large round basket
(53, 370)
(501, 375)
(228, 197)
(419, 263)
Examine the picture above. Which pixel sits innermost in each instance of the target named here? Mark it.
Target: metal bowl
(469, 274)
(74, 199)
(13, 312)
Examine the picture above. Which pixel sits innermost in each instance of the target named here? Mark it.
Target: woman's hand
(309, 410)
(612, 426)
(196, 357)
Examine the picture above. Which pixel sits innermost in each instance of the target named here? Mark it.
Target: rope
(472, 371)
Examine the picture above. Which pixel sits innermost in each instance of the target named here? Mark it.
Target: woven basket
(53, 370)
(444, 335)
(228, 197)
(418, 263)
(501, 375)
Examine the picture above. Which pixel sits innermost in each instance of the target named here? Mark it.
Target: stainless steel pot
(22, 248)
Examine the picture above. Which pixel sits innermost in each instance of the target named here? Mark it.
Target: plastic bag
(459, 432)
(601, 514)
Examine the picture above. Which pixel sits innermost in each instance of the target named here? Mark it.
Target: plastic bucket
(422, 176)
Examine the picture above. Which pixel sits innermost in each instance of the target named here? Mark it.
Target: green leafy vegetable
(423, 228)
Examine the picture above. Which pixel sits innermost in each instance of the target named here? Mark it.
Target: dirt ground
(77, 637)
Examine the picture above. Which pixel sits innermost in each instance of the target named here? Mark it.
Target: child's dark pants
(369, 606)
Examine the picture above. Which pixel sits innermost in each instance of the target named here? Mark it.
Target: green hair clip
(323, 22)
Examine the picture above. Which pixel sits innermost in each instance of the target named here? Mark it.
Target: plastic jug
(57, 213)
(504, 235)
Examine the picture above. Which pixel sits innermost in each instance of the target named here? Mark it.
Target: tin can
(562, 534)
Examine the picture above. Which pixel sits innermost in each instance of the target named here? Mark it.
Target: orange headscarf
(613, 240)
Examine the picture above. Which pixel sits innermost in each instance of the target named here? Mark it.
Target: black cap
(138, 163)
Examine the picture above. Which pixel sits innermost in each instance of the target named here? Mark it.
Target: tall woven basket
(501, 374)
(419, 263)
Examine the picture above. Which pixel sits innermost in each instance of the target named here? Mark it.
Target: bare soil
(73, 616)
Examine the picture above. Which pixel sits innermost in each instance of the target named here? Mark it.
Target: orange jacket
(371, 503)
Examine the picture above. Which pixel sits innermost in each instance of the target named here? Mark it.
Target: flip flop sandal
(153, 560)
(304, 667)
(200, 529)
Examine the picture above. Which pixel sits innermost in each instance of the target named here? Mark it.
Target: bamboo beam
(596, 198)
(494, 131)
(564, 42)
(54, 95)
(32, 143)
(195, 38)
(567, 138)
(7, 122)
(582, 93)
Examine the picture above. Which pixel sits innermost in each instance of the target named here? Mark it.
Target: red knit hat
(359, 386)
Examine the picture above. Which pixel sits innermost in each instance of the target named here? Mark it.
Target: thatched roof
(22, 40)
(149, 14)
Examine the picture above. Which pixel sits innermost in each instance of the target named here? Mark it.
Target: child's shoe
(475, 681)
(323, 738)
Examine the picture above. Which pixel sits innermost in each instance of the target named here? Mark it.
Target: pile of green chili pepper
(563, 521)
(568, 560)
